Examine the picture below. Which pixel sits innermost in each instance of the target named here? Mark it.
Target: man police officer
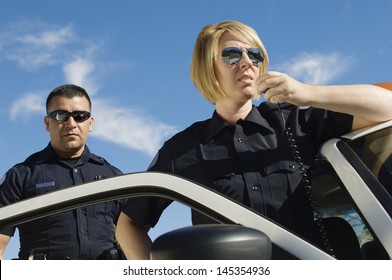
(84, 233)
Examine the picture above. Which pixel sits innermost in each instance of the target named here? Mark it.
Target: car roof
(367, 130)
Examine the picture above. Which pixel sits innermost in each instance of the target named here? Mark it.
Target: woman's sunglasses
(63, 116)
(232, 55)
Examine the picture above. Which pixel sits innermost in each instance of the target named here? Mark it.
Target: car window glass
(177, 215)
(333, 200)
(375, 150)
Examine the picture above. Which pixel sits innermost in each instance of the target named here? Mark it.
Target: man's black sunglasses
(232, 55)
(63, 116)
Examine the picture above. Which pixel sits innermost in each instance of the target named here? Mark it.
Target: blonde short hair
(205, 53)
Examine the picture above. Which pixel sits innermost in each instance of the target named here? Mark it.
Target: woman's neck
(231, 112)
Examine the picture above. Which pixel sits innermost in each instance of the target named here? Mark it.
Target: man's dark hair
(69, 91)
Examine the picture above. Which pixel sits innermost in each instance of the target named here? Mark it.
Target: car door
(286, 245)
(351, 180)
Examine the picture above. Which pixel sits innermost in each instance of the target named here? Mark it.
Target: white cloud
(79, 72)
(47, 40)
(34, 44)
(128, 127)
(26, 106)
(317, 68)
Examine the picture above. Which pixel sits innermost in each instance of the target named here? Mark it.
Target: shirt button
(255, 188)
(75, 170)
(240, 140)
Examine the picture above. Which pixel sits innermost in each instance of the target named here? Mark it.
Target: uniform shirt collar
(214, 126)
(50, 153)
(217, 124)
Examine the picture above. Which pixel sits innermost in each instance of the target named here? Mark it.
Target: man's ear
(91, 124)
(46, 121)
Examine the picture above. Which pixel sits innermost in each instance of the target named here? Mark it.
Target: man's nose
(71, 122)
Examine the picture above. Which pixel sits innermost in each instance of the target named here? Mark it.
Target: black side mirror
(212, 242)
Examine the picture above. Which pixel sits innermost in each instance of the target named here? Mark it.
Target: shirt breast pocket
(283, 177)
(225, 184)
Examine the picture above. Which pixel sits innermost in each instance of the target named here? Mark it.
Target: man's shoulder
(27, 164)
(34, 158)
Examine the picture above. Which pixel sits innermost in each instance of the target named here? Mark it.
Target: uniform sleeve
(10, 192)
(11, 187)
(325, 125)
(8, 231)
(147, 210)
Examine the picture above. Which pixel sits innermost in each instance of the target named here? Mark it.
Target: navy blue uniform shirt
(251, 162)
(78, 234)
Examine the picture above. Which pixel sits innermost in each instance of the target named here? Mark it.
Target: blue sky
(133, 58)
